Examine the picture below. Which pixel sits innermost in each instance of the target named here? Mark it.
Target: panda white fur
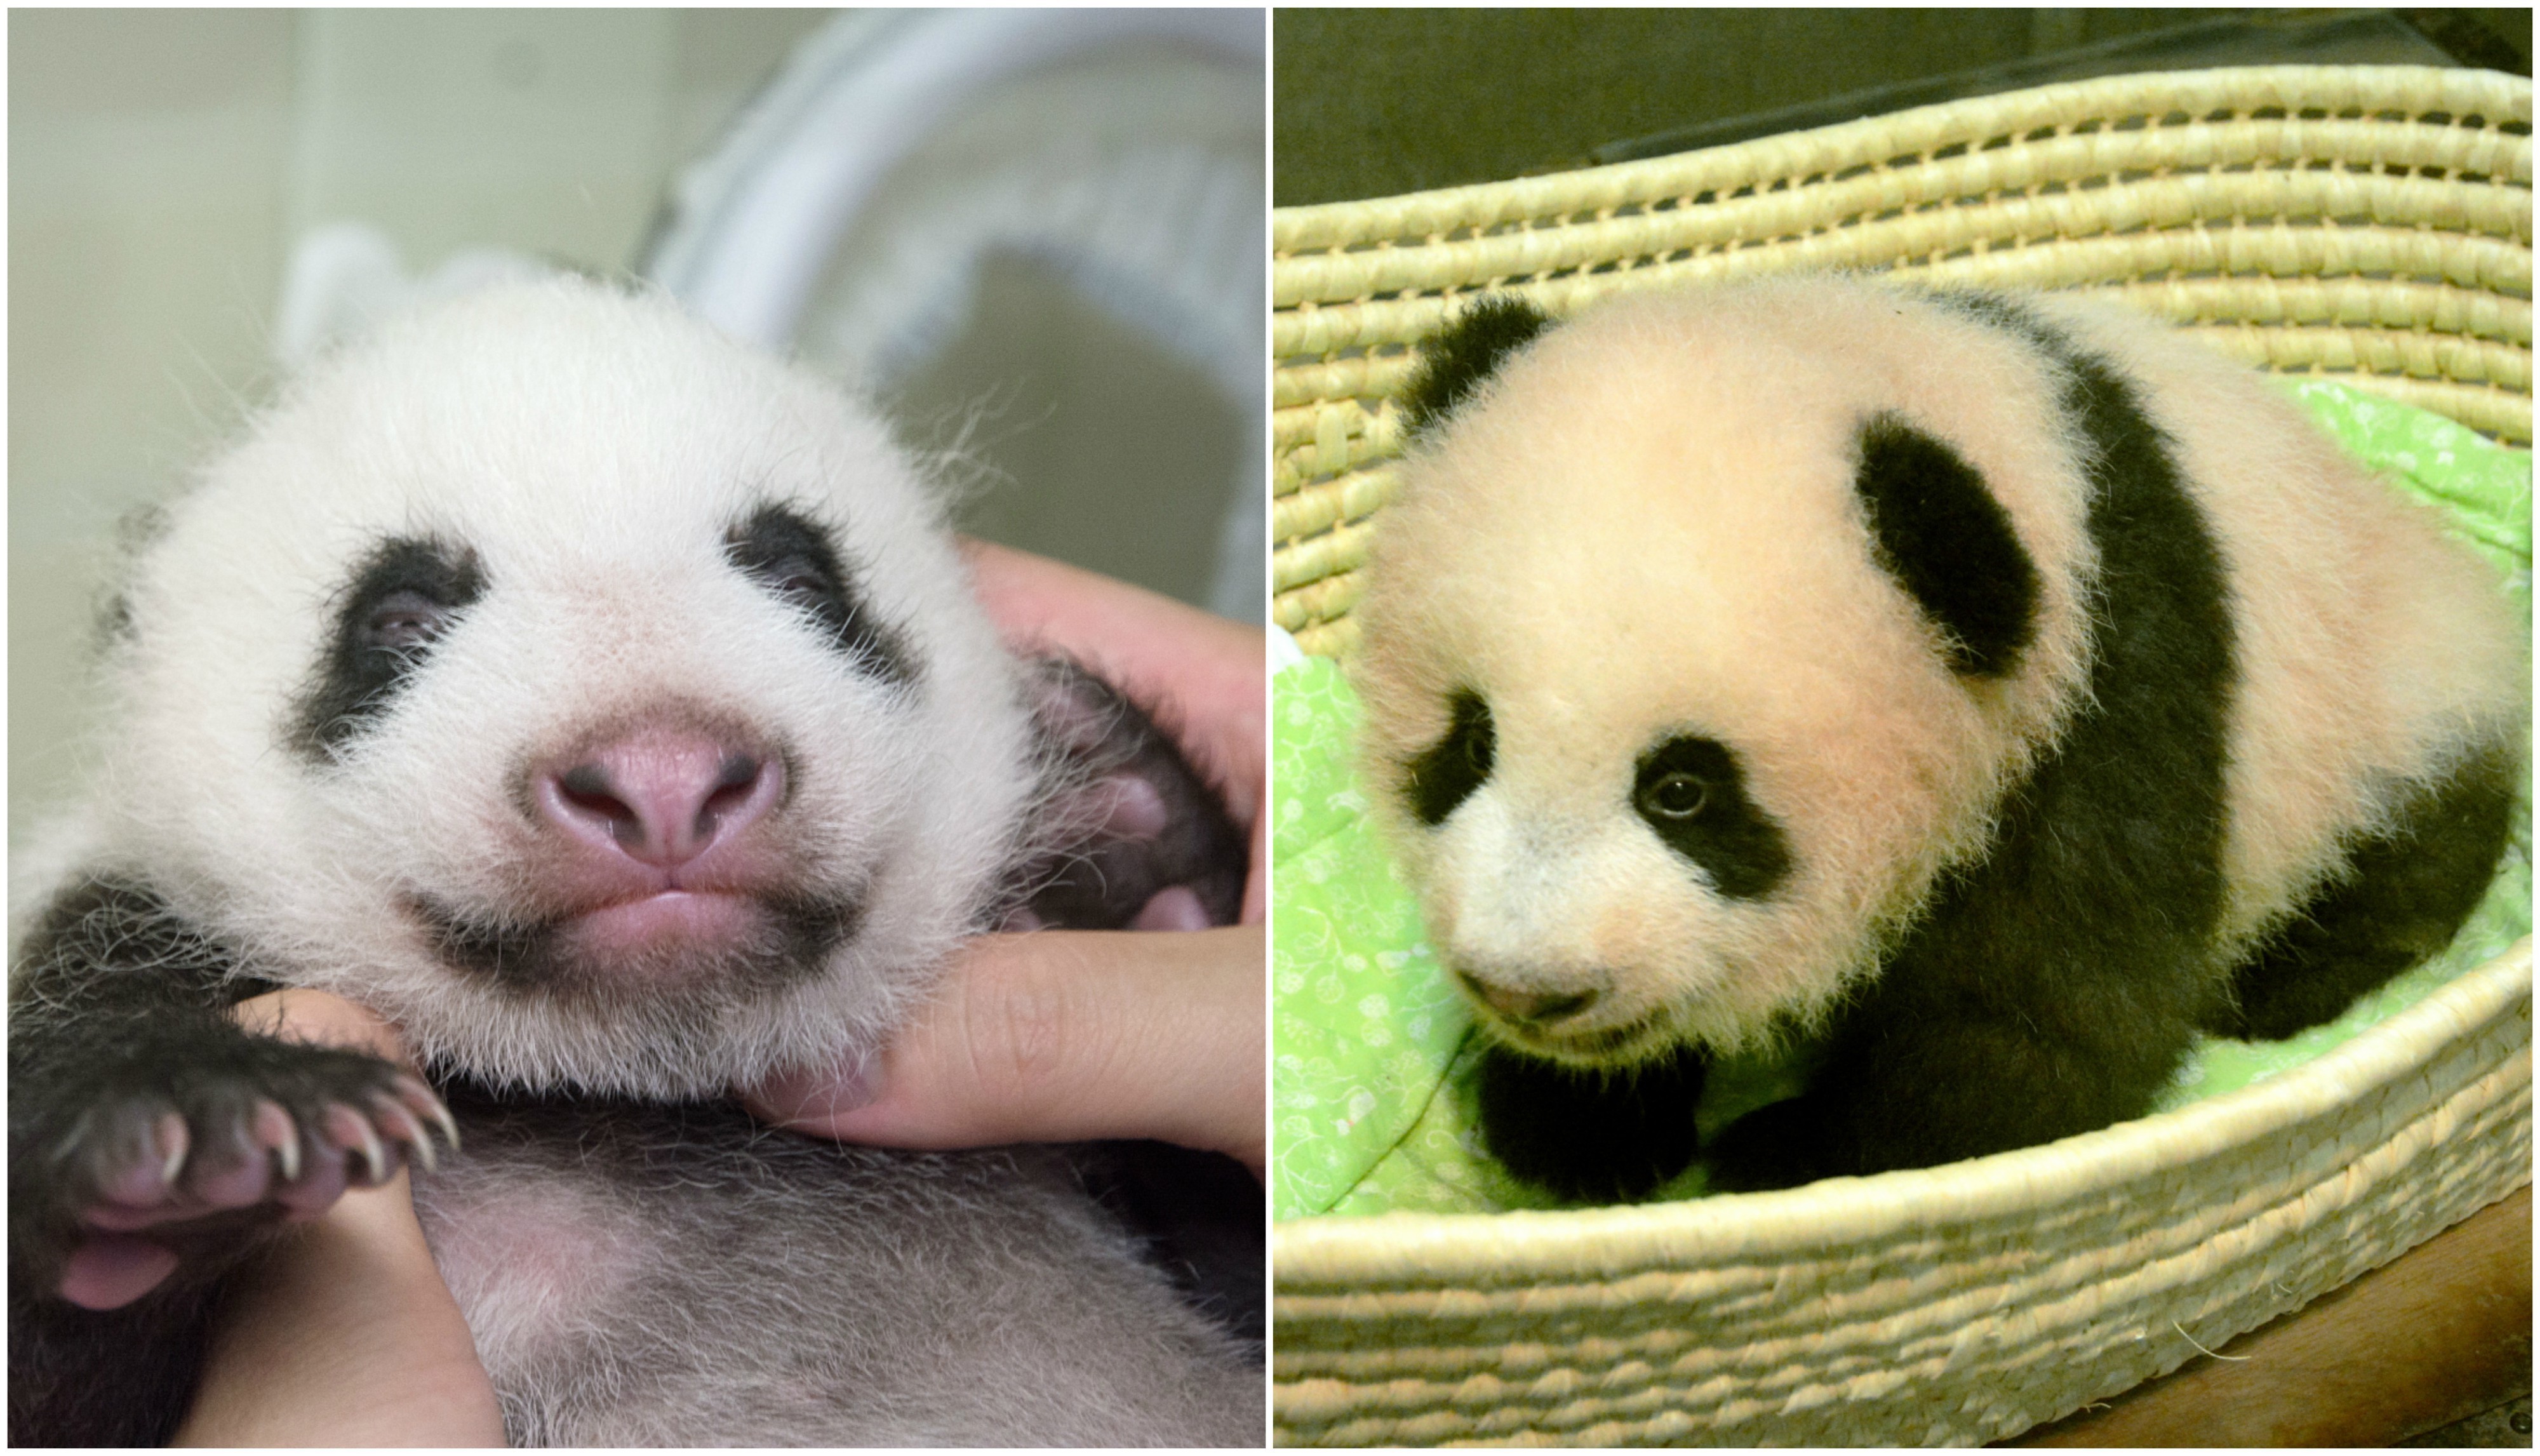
(605, 704)
(1998, 685)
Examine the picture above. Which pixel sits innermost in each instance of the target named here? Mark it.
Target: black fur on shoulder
(2051, 988)
(1201, 1216)
(1458, 360)
(1936, 528)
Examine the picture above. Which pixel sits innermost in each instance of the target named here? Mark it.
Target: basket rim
(1522, 1246)
(1314, 227)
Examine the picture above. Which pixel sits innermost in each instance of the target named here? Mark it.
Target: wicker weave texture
(1946, 1306)
(2368, 222)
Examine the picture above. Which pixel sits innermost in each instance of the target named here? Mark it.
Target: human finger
(1062, 1037)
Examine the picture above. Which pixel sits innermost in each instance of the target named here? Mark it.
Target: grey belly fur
(677, 1276)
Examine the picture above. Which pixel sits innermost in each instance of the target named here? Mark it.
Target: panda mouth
(1601, 1046)
(632, 927)
(664, 940)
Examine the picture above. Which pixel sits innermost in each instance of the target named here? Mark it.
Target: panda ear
(1468, 353)
(1939, 532)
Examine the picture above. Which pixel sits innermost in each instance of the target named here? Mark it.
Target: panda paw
(1778, 1145)
(1592, 1136)
(1128, 834)
(185, 1164)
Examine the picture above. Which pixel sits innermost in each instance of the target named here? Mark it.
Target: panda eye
(799, 581)
(1456, 765)
(1676, 796)
(403, 621)
(401, 599)
(1691, 793)
(791, 559)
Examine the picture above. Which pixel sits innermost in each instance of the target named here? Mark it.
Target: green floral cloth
(1372, 1051)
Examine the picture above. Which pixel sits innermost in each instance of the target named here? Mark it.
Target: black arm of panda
(144, 1123)
(1602, 1136)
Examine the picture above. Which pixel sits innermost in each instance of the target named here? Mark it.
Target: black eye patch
(401, 601)
(793, 560)
(1456, 765)
(1692, 793)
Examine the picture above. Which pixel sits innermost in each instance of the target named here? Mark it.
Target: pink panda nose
(660, 797)
(1529, 1006)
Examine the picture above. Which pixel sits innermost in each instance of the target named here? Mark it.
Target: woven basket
(2370, 222)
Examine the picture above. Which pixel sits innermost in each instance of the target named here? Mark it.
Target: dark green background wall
(1370, 102)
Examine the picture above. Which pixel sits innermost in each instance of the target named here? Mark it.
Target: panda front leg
(1596, 1134)
(153, 1143)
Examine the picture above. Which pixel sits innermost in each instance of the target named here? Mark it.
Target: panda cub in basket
(2001, 685)
(606, 705)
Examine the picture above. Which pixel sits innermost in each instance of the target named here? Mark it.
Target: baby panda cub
(605, 704)
(2000, 686)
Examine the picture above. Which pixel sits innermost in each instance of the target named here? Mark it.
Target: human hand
(344, 1334)
(1067, 1035)
(1062, 1037)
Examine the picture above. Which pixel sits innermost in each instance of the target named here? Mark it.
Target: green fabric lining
(1371, 1048)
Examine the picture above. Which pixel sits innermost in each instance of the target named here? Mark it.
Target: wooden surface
(2437, 1334)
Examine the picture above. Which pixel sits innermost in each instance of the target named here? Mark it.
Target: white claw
(171, 1161)
(401, 1122)
(273, 1128)
(373, 1157)
(424, 1099)
(343, 1126)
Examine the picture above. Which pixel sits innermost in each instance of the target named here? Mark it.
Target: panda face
(600, 700)
(1665, 733)
(1534, 901)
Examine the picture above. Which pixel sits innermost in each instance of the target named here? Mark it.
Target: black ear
(1938, 532)
(1468, 353)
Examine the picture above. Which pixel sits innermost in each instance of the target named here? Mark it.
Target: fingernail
(817, 1098)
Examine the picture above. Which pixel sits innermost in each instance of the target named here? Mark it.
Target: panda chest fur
(595, 1253)
(1735, 670)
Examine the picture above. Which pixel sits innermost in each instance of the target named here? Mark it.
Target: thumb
(1060, 1036)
